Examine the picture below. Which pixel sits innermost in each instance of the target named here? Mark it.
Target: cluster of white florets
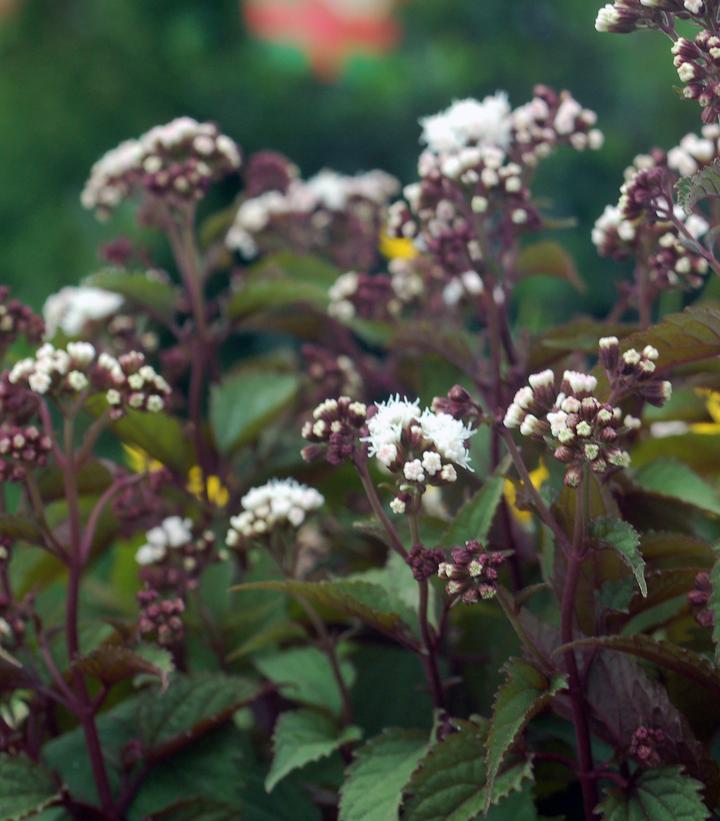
(72, 309)
(126, 381)
(421, 446)
(466, 286)
(645, 222)
(279, 502)
(695, 151)
(179, 159)
(55, 369)
(171, 534)
(469, 123)
(623, 16)
(579, 428)
(326, 192)
(471, 133)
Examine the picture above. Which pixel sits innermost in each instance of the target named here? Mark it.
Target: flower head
(279, 502)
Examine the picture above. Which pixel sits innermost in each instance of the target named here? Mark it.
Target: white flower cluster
(279, 501)
(181, 157)
(326, 191)
(127, 380)
(695, 151)
(468, 284)
(422, 446)
(469, 123)
(172, 533)
(470, 132)
(64, 369)
(72, 308)
(624, 16)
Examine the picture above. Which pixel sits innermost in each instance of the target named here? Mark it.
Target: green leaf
(681, 339)
(155, 295)
(25, 787)
(191, 705)
(20, 527)
(112, 663)
(160, 435)
(261, 294)
(374, 782)
(662, 653)
(674, 480)
(244, 403)
(191, 809)
(548, 258)
(714, 605)
(704, 184)
(623, 538)
(449, 783)
(221, 778)
(304, 674)
(525, 693)
(664, 794)
(347, 599)
(303, 736)
(475, 517)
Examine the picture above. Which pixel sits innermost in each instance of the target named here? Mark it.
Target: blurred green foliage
(78, 76)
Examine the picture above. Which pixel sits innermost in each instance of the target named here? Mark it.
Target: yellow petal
(139, 461)
(397, 248)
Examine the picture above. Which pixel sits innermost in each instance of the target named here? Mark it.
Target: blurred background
(337, 83)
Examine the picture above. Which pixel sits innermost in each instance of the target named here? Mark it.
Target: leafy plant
(244, 572)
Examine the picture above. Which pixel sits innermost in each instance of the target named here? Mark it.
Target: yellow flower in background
(141, 462)
(712, 405)
(538, 477)
(217, 493)
(394, 248)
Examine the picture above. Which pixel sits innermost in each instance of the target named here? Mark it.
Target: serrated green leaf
(714, 605)
(702, 185)
(374, 782)
(25, 787)
(664, 794)
(349, 599)
(475, 517)
(244, 403)
(674, 480)
(303, 736)
(662, 653)
(623, 538)
(190, 706)
(304, 674)
(139, 290)
(682, 339)
(112, 663)
(449, 783)
(525, 693)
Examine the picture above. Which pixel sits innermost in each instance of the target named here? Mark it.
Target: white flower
(448, 435)
(431, 462)
(72, 308)
(150, 554)
(397, 506)
(469, 122)
(385, 427)
(277, 501)
(413, 471)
